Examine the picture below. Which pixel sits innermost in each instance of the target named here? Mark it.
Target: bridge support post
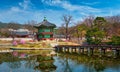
(64, 49)
(71, 50)
(102, 52)
(82, 50)
(118, 52)
(79, 50)
(57, 49)
(115, 53)
(88, 51)
(75, 49)
(60, 49)
(92, 51)
(67, 49)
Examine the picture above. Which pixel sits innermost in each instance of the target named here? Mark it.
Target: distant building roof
(20, 32)
(45, 23)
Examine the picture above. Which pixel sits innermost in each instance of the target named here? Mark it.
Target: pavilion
(45, 30)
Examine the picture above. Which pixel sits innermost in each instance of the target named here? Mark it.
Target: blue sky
(22, 11)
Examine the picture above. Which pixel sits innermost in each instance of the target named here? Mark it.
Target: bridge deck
(90, 49)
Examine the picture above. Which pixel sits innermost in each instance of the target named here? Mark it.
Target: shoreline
(16, 48)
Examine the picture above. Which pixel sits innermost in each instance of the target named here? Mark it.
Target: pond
(41, 61)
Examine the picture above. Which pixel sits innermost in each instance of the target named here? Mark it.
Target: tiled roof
(45, 23)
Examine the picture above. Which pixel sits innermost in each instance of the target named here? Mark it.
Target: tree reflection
(14, 65)
(90, 64)
(64, 62)
(11, 61)
(67, 66)
(31, 62)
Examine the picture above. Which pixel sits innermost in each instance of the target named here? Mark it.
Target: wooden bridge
(89, 49)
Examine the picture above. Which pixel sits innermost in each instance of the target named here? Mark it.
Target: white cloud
(23, 9)
(25, 16)
(52, 2)
(109, 12)
(22, 6)
(80, 8)
(93, 3)
(16, 9)
(26, 4)
(19, 13)
(68, 6)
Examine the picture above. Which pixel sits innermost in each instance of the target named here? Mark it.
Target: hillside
(15, 26)
(3, 25)
(10, 25)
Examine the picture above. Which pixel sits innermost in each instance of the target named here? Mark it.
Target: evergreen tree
(96, 33)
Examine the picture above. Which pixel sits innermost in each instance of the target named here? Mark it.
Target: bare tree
(113, 19)
(30, 25)
(88, 21)
(67, 20)
(113, 25)
(61, 30)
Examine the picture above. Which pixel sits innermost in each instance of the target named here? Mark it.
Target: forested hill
(10, 25)
(3, 25)
(16, 26)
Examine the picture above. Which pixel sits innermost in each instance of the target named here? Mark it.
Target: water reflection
(41, 61)
(26, 61)
(82, 63)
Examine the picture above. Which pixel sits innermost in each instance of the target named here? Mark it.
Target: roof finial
(45, 19)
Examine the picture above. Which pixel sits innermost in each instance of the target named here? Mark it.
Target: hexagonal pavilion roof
(45, 23)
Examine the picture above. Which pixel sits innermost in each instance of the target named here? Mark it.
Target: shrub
(115, 40)
(22, 41)
(15, 43)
